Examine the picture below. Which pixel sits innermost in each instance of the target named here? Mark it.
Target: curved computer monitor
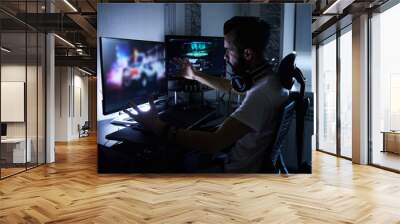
(206, 54)
(131, 70)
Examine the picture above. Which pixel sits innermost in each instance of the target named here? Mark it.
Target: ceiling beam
(337, 7)
(86, 26)
(83, 61)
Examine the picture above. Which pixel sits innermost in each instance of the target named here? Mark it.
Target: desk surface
(105, 128)
(13, 140)
(391, 132)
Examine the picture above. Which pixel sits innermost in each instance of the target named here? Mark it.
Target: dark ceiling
(76, 22)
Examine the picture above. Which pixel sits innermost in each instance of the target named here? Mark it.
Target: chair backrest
(86, 125)
(301, 106)
(273, 161)
(288, 73)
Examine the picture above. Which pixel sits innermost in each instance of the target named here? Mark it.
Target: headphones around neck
(242, 83)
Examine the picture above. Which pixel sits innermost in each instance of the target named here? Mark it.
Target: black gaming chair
(288, 71)
(297, 104)
(273, 161)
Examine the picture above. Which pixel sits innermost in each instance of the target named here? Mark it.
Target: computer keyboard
(129, 119)
(137, 126)
(124, 121)
(129, 134)
(185, 118)
(174, 116)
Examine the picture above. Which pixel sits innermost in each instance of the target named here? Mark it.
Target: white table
(19, 155)
(391, 141)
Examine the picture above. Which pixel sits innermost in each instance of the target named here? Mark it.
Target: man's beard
(239, 69)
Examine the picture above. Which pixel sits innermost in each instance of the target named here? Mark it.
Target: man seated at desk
(252, 127)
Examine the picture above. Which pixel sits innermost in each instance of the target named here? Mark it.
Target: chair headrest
(286, 70)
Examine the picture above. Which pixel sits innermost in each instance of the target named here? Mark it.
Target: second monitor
(206, 54)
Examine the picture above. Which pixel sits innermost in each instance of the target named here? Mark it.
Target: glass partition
(32, 98)
(14, 144)
(385, 89)
(346, 93)
(327, 96)
(22, 64)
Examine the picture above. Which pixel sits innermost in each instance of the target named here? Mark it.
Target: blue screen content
(131, 70)
(206, 54)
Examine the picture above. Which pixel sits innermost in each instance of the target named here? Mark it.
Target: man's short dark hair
(248, 32)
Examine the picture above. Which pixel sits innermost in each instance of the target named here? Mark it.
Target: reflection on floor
(71, 191)
(10, 169)
(386, 159)
(346, 152)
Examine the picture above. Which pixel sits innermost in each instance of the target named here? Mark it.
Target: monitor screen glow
(206, 54)
(131, 70)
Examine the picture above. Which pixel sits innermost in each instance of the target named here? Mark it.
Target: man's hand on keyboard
(148, 119)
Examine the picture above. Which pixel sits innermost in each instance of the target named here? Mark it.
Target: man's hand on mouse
(148, 119)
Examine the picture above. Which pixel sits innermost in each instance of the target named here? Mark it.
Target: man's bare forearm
(217, 83)
(213, 82)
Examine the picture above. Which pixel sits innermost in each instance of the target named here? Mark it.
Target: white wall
(33, 126)
(130, 21)
(12, 73)
(296, 36)
(287, 31)
(303, 41)
(61, 103)
(67, 116)
(314, 90)
(174, 24)
(213, 17)
(79, 117)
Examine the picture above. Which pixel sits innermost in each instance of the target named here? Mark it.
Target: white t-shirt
(260, 110)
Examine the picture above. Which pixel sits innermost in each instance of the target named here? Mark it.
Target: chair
(273, 161)
(288, 71)
(84, 130)
(297, 104)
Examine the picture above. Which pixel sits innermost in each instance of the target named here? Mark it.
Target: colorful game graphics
(131, 70)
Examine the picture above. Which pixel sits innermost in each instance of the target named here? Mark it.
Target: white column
(360, 90)
(50, 99)
(50, 92)
(287, 29)
(303, 41)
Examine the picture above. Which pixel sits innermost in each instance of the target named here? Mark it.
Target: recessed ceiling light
(64, 40)
(337, 7)
(5, 50)
(84, 71)
(70, 5)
